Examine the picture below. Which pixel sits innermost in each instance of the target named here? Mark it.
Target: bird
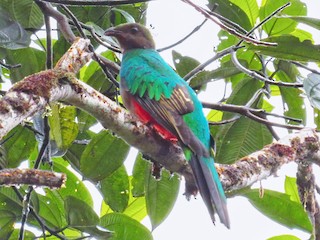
(153, 92)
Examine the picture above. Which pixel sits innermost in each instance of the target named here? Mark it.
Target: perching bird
(157, 95)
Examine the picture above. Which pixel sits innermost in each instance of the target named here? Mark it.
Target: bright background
(170, 21)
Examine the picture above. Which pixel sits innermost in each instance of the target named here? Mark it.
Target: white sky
(171, 21)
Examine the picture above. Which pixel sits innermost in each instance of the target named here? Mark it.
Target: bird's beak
(112, 32)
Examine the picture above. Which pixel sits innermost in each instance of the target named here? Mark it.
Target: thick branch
(32, 95)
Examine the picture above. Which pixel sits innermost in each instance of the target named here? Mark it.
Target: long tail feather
(210, 188)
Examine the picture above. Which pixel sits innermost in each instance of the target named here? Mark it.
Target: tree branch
(33, 93)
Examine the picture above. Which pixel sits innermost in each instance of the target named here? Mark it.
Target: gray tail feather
(209, 191)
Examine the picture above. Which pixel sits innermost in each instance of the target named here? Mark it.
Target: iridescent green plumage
(156, 94)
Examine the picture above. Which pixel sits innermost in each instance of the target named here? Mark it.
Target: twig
(258, 76)
(9, 66)
(96, 2)
(197, 28)
(251, 113)
(305, 67)
(265, 20)
(228, 29)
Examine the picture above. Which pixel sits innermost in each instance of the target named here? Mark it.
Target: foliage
(128, 198)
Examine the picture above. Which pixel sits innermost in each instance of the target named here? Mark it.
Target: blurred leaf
(161, 196)
(278, 207)
(136, 208)
(284, 237)
(28, 235)
(102, 156)
(140, 168)
(12, 34)
(26, 12)
(290, 187)
(126, 15)
(233, 12)
(124, 227)
(311, 86)
(63, 128)
(19, 146)
(184, 64)
(289, 48)
(277, 26)
(115, 189)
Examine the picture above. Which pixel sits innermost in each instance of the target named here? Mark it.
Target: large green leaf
(136, 208)
(26, 12)
(81, 216)
(31, 60)
(289, 48)
(280, 208)
(73, 185)
(312, 22)
(277, 26)
(19, 146)
(161, 196)
(7, 220)
(51, 210)
(250, 7)
(233, 12)
(64, 129)
(115, 189)
(287, 72)
(239, 139)
(12, 35)
(140, 168)
(124, 227)
(102, 156)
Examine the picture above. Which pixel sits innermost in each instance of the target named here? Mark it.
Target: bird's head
(132, 36)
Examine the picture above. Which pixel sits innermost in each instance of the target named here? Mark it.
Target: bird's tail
(210, 187)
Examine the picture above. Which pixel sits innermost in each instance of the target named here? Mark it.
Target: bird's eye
(134, 30)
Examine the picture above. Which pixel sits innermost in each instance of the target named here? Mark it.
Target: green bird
(158, 96)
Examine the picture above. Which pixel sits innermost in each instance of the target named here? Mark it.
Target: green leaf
(26, 12)
(284, 237)
(250, 7)
(290, 187)
(277, 26)
(124, 227)
(136, 208)
(28, 235)
(7, 220)
(126, 15)
(278, 207)
(140, 168)
(161, 196)
(287, 72)
(289, 48)
(233, 12)
(183, 64)
(51, 210)
(31, 60)
(312, 22)
(64, 129)
(79, 213)
(239, 139)
(311, 86)
(12, 34)
(73, 185)
(115, 189)
(102, 156)
(19, 146)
